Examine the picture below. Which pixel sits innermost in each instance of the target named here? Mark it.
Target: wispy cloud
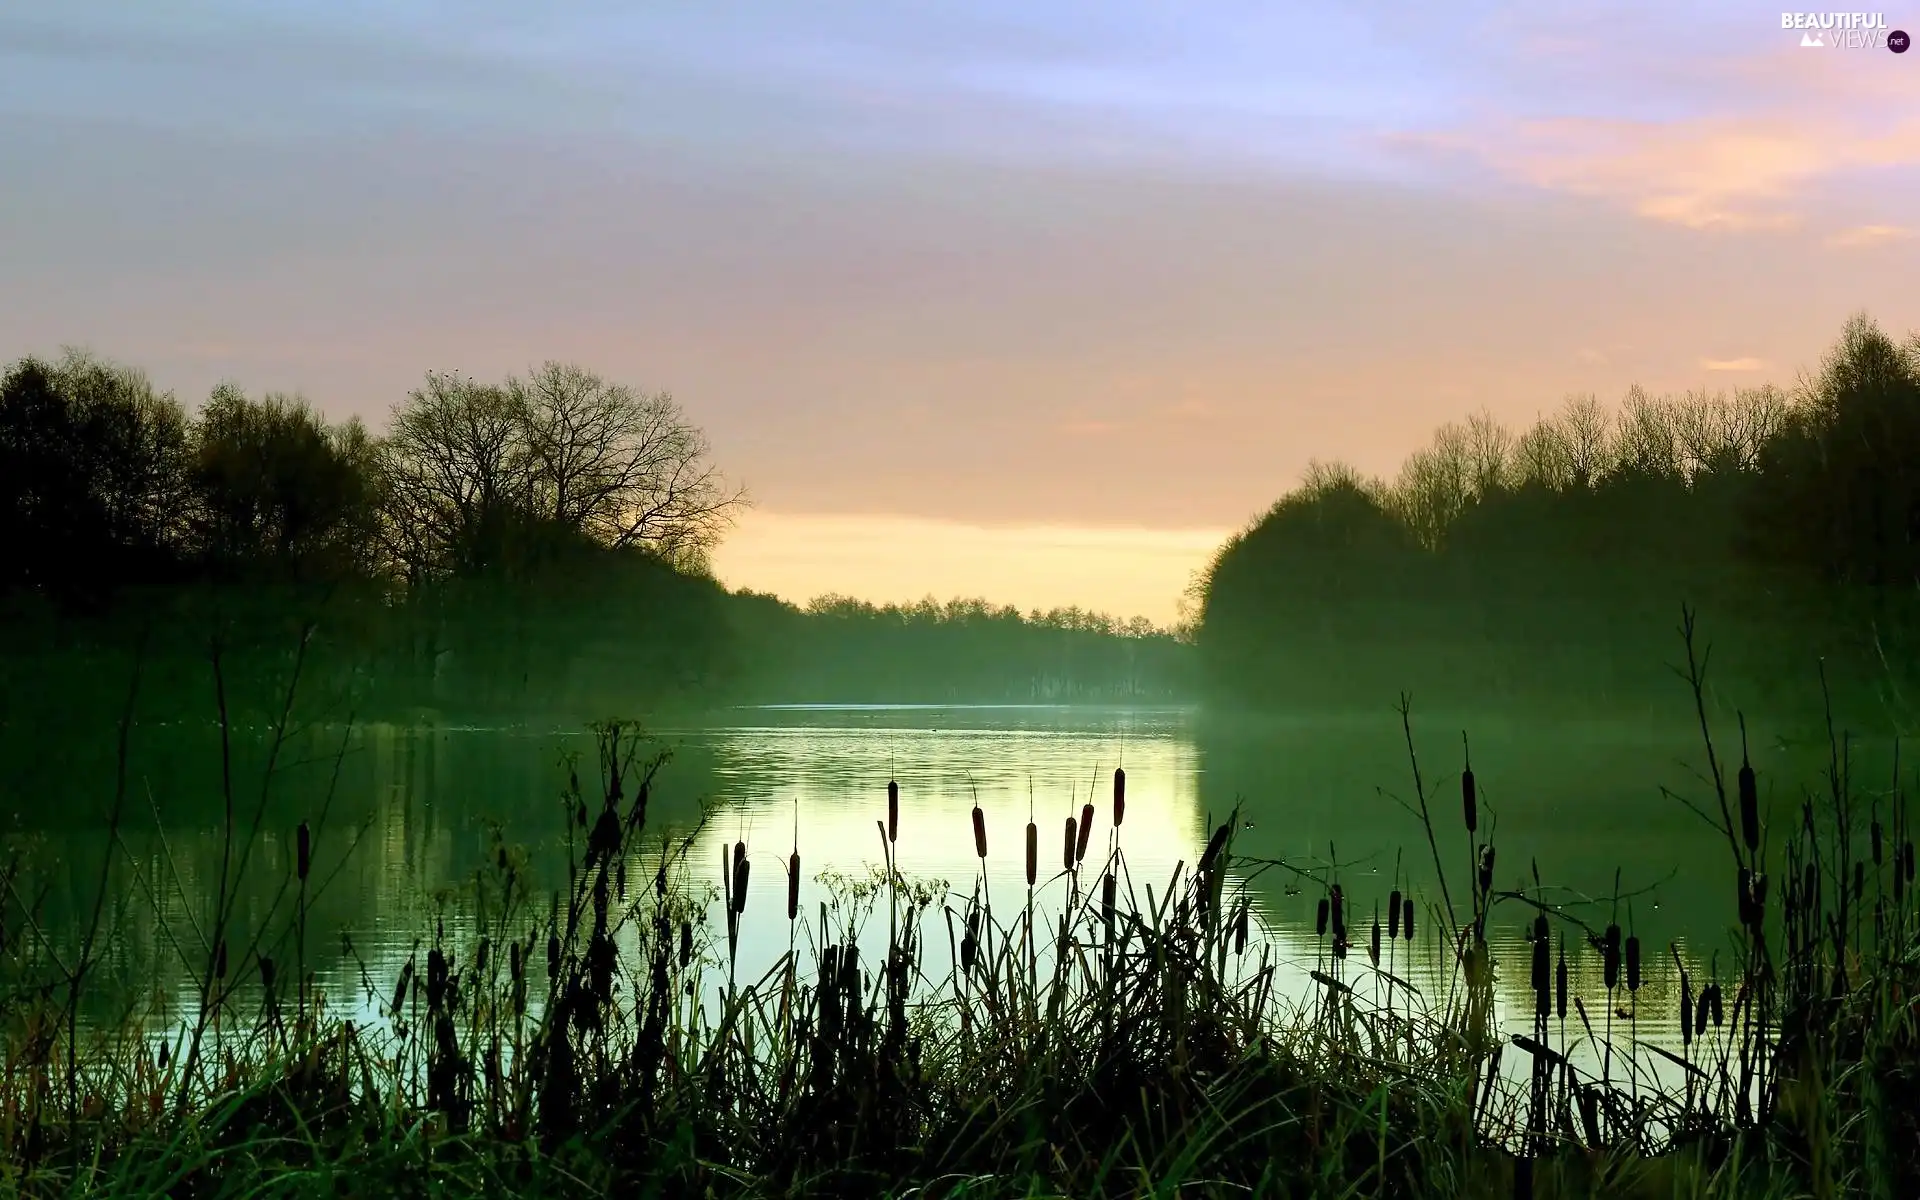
(1726, 173)
(1870, 235)
(1734, 364)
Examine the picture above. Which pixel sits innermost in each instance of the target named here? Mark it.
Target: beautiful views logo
(1844, 31)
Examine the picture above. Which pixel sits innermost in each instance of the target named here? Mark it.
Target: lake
(406, 812)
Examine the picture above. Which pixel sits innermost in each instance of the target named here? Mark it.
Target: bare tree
(625, 468)
(458, 475)
(1489, 453)
(1584, 422)
(1647, 439)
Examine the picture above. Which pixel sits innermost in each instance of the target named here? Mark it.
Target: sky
(1029, 301)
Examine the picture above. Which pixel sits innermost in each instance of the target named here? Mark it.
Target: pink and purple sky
(1030, 301)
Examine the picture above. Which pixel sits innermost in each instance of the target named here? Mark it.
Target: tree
(279, 493)
(458, 479)
(92, 475)
(623, 467)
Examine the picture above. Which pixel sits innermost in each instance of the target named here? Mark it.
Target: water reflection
(406, 813)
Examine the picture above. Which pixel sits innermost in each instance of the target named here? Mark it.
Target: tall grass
(1110, 1035)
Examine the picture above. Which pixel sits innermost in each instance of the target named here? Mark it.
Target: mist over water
(415, 808)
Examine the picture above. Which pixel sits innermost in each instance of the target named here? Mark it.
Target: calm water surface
(406, 814)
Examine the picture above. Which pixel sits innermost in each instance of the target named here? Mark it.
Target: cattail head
(1701, 1008)
(1393, 915)
(793, 886)
(1373, 941)
(686, 943)
(1072, 839)
(1109, 896)
(1610, 957)
(1086, 828)
(1119, 796)
(893, 811)
(303, 856)
(1470, 801)
(1339, 916)
(1215, 845)
(1686, 1010)
(1877, 832)
(1240, 932)
(1320, 918)
(742, 868)
(1560, 983)
(1633, 964)
(1033, 853)
(979, 833)
(553, 954)
(1542, 977)
(1714, 989)
(1406, 918)
(1749, 807)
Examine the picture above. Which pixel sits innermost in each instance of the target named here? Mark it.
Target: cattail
(793, 886)
(979, 833)
(1109, 894)
(1320, 918)
(1470, 801)
(1686, 1010)
(1560, 982)
(1909, 852)
(1715, 989)
(1859, 879)
(1086, 828)
(220, 959)
(514, 966)
(580, 815)
(1757, 887)
(1542, 977)
(1119, 796)
(480, 956)
(1610, 957)
(1701, 1008)
(1393, 914)
(400, 987)
(893, 811)
(1240, 933)
(1633, 964)
(553, 954)
(1215, 844)
(1406, 918)
(303, 857)
(741, 869)
(1066, 849)
(1749, 807)
(1876, 841)
(266, 973)
(686, 943)
(1033, 853)
(1339, 917)
(1373, 942)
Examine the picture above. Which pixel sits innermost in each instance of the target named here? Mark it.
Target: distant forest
(1547, 568)
(534, 546)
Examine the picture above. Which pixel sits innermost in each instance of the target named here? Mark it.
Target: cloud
(1734, 364)
(1743, 174)
(1870, 235)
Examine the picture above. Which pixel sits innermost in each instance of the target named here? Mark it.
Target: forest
(1547, 568)
(539, 544)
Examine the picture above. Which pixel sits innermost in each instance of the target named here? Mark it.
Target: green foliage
(1497, 565)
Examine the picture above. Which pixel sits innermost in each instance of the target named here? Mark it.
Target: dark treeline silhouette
(1549, 567)
(540, 543)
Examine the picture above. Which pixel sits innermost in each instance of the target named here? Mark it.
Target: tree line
(499, 544)
(1549, 564)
